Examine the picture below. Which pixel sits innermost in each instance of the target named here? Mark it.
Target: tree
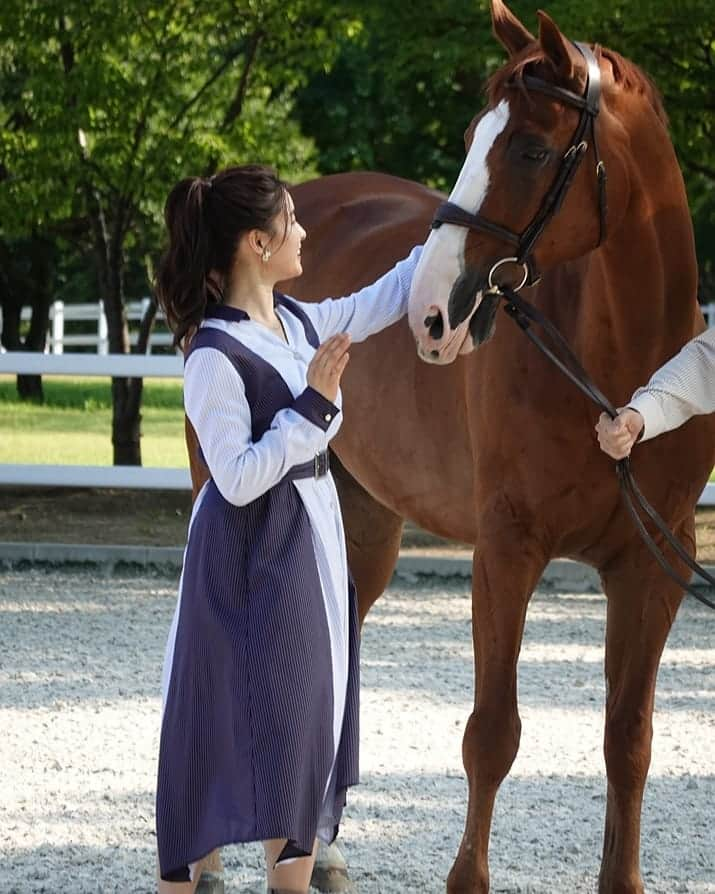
(407, 82)
(109, 103)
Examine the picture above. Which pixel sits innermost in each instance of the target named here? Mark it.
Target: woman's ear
(257, 241)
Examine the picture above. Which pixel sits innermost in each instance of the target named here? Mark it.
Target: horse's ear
(508, 30)
(557, 48)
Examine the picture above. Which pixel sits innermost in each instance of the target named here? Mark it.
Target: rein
(523, 315)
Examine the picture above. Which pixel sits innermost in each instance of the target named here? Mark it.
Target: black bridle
(524, 314)
(448, 213)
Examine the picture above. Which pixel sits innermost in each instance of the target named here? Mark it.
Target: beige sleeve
(681, 388)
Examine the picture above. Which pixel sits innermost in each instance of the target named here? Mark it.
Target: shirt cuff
(654, 422)
(315, 408)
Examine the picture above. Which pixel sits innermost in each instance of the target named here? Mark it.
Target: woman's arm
(683, 387)
(216, 404)
(369, 310)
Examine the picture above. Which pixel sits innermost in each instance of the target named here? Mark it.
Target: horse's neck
(641, 298)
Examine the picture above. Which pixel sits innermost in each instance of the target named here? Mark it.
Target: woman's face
(285, 260)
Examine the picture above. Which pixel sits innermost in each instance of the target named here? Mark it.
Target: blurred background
(105, 104)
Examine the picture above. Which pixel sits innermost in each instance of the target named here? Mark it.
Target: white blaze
(442, 260)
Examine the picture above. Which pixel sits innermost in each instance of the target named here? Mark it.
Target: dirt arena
(80, 660)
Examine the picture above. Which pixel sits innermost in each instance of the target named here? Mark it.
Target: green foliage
(160, 90)
(115, 102)
(405, 85)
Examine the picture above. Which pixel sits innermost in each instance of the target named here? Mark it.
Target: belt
(318, 467)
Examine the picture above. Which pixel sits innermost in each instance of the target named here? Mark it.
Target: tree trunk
(126, 421)
(126, 393)
(41, 252)
(18, 288)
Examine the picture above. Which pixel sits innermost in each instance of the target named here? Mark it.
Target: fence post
(102, 331)
(58, 327)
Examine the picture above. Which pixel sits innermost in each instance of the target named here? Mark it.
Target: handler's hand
(328, 365)
(617, 436)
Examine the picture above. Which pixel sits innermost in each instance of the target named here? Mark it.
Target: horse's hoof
(210, 883)
(332, 880)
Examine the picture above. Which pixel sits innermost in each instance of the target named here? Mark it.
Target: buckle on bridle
(321, 464)
(572, 150)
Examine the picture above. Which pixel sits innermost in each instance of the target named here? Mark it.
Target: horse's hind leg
(642, 603)
(506, 570)
(373, 537)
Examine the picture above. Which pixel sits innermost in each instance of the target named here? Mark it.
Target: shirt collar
(225, 312)
(216, 311)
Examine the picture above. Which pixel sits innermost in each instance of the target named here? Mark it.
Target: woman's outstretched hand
(328, 365)
(617, 436)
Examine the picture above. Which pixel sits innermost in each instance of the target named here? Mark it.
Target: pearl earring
(265, 255)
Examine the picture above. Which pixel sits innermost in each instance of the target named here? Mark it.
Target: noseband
(449, 213)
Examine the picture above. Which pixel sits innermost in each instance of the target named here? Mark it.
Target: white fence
(31, 363)
(62, 314)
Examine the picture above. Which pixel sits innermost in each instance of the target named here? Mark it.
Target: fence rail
(137, 365)
(62, 314)
(134, 365)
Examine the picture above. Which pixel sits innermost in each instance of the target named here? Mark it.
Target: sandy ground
(80, 658)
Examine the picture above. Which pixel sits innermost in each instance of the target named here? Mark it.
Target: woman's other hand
(617, 436)
(328, 365)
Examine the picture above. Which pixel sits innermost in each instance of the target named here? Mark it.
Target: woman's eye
(535, 154)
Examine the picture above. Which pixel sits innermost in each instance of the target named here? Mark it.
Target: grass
(74, 425)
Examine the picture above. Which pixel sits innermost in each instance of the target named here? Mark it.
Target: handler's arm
(683, 387)
(243, 469)
(369, 310)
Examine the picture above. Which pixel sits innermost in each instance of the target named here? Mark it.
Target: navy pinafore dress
(247, 730)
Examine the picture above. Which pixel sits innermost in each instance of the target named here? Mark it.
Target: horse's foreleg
(505, 573)
(642, 604)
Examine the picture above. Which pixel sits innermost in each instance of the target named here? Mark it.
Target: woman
(259, 735)
(681, 388)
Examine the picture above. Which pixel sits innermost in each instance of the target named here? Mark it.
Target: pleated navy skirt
(247, 741)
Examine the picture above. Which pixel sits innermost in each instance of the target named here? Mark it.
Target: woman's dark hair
(205, 218)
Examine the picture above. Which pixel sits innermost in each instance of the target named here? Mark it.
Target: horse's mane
(625, 73)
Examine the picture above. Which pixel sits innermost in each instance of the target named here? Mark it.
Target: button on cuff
(315, 408)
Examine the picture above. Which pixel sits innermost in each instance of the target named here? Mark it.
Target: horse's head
(511, 186)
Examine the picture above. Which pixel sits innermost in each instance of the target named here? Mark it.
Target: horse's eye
(535, 154)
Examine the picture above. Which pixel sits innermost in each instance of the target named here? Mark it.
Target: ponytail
(205, 219)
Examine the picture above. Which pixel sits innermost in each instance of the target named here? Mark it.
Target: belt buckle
(321, 464)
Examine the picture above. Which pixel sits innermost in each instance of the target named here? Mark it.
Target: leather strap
(524, 314)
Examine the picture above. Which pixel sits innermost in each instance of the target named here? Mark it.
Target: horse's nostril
(435, 325)
(434, 354)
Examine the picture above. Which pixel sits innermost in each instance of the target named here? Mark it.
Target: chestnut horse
(492, 446)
